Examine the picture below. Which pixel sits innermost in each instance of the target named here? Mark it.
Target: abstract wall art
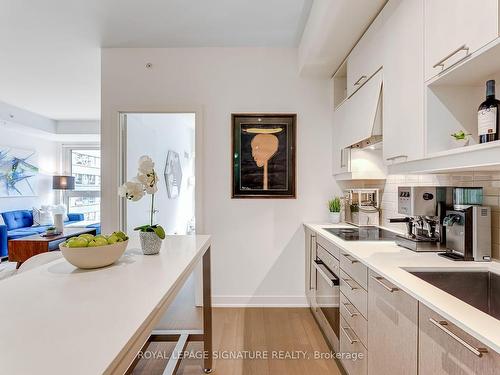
(18, 172)
(263, 155)
(173, 174)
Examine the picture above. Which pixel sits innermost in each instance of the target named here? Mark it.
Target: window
(85, 165)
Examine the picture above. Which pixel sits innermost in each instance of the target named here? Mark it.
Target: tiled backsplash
(490, 181)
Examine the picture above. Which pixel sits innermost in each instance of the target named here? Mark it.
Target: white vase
(150, 243)
(461, 142)
(334, 217)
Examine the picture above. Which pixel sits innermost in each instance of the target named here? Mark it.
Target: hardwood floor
(248, 331)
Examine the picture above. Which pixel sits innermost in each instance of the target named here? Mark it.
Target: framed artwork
(263, 155)
(18, 172)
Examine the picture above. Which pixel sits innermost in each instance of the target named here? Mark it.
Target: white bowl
(93, 257)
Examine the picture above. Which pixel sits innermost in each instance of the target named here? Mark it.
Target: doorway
(170, 140)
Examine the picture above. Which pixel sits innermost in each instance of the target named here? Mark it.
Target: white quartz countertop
(390, 261)
(57, 319)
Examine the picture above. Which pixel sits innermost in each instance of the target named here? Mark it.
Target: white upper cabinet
(403, 105)
(359, 120)
(366, 57)
(454, 29)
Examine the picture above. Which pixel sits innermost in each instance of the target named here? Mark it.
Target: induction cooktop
(368, 233)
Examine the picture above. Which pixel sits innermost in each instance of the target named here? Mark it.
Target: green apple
(112, 239)
(78, 242)
(87, 236)
(100, 241)
(92, 244)
(101, 236)
(121, 235)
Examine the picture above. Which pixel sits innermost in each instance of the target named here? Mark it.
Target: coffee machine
(468, 233)
(424, 209)
(449, 219)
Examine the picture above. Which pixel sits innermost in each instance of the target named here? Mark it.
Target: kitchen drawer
(350, 343)
(445, 349)
(331, 262)
(354, 293)
(330, 247)
(357, 270)
(354, 318)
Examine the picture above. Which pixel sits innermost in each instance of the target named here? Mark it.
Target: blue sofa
(19, 223)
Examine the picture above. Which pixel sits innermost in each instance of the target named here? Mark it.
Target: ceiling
(50, 50)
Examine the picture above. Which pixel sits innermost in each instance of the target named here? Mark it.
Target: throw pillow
(36, 217)
(42, 217)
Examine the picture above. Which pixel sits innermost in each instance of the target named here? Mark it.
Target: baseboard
(259, 301)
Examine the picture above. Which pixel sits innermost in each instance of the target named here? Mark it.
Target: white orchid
(145, 182)
(149, 180)
(132, 190)
(146, 165)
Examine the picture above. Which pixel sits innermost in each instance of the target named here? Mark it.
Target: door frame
(199, 154)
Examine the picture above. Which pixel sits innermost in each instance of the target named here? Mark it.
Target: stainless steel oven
(327, 294)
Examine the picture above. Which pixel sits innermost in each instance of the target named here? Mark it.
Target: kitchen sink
(480, 289)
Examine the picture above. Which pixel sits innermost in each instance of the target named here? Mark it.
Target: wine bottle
(487, 115)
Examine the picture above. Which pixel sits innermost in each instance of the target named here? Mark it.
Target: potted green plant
(151, 235)
(334, 207)
(460, 138)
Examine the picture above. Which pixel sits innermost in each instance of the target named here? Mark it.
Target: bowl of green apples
(88, 251)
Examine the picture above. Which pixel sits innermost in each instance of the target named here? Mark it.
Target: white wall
(154, 135)
(258, 245)
(48, 155)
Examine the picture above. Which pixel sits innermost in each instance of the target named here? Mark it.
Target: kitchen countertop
(389, 260)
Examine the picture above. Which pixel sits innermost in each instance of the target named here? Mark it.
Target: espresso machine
(468, 233)
(447, 219)
(424, 208)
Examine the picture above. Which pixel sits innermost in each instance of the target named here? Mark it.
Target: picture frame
(263, 155)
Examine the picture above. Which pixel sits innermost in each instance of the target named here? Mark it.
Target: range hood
(360, 123)
(363, 124)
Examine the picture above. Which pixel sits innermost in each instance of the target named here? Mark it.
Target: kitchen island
(58, 319)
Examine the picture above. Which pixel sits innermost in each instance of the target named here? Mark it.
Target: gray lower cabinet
(446, 349)
(392, 329)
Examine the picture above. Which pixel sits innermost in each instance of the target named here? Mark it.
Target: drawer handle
(358, 82)
(441, 325)
(351, 314)
(350, 259)
(348, 282)
(379, 279)
(329, 277)
(351, 340)
(443, 60)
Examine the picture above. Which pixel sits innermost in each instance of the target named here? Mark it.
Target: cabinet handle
(351, 340)
(349, 258)
(351, 314)
(396, 157)
(441, 325)
(311, 258)
(443, 60)
(329, 277)
(348, 282)
(358, 82)
(379, 279)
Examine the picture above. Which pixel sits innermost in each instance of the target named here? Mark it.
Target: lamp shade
(63, 183)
